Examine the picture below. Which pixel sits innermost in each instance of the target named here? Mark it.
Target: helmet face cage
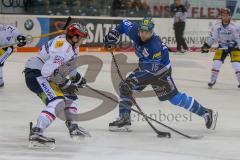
(77, 29)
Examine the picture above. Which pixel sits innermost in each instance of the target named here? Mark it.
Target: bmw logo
(28, 24)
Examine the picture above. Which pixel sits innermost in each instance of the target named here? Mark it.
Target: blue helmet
(146, 24)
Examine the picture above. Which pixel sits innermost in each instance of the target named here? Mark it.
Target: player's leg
(134, 82)
(177, 36)
(52, 97)
(182, 40)
(71, 110)
(235, 59)
(166, 90)
(1, 75)
(4, 52)
(218, 60)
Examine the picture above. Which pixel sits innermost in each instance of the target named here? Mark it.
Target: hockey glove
(22, 40)
(78, 80)
(111, 39)
(232, 46)
(205, 48)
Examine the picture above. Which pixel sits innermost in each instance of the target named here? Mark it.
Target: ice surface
(18, 106)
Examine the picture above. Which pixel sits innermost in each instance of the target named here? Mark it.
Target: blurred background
(120, 8)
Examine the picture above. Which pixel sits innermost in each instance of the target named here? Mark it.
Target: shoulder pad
(59, 44)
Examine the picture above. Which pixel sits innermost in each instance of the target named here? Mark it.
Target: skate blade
(120, 129)
(81, 136)
(78, 138)
(37, 145)
(215, 117)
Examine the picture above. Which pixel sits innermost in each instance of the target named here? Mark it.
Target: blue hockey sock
(189, 103)
(125, 108)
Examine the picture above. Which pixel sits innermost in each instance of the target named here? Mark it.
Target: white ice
(19, 106)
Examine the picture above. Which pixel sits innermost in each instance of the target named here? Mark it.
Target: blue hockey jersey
(153, 55)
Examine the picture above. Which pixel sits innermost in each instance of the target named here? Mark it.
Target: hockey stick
(159, 133)
(114, 100)
(30, 38)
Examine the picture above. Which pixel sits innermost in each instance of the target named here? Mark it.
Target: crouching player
(56, 52)
(155, 70)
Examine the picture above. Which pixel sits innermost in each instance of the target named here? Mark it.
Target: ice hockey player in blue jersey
(155, 70)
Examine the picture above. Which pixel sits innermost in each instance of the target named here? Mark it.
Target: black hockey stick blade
(164, 135)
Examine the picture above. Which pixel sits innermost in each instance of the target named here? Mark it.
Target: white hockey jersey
(8, 34)
(224, 36)
(53, 54)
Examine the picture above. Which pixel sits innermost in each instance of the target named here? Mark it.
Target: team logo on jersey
(59, 44)
(156, 55)
(58, 60)
(145, 52)
(8, 38)
(145, 22)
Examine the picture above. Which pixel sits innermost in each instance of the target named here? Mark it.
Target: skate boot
(239, 86)
(120, 125)
(211, 84)
(37, 140)
(210, 117)
(76, 132)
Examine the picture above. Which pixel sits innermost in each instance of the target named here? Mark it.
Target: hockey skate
(210, 119)
(211, 84)
(239, 86)
(120, 125)
(76, 132)
(37, 140)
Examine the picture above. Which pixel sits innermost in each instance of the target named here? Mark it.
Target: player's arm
(113, 36)
(236, 34)
(76, 80)
(213, 37)
(165, 55)
(15, 33)
(51, 65)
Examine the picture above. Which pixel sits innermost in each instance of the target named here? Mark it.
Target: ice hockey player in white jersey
(56, 52)
(8, 35)
(226, 34)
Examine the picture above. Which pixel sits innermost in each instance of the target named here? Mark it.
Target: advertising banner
(196, 8)
(196, 31)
